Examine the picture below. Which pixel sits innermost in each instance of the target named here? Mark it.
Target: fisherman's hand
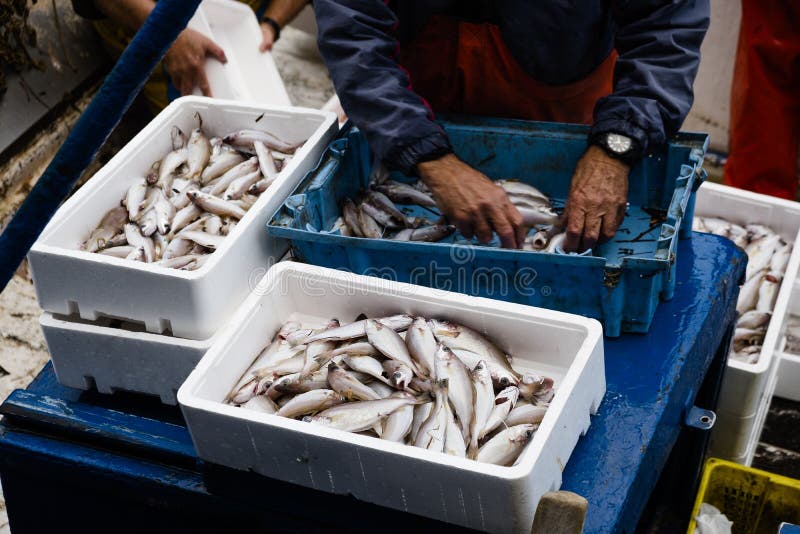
(597, 200)
(267, 37)
(471, 201)
(185, 61)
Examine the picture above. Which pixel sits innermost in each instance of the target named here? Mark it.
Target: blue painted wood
(651, 380)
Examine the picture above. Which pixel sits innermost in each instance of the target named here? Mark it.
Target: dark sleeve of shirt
(357, 41)
(658, 42)
(87, 9)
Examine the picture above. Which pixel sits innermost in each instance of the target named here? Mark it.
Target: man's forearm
(130, 14)
(284, 11)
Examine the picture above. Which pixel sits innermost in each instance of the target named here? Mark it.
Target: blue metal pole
(151, 42)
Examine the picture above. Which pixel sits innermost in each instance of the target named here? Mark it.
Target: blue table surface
(652, 379)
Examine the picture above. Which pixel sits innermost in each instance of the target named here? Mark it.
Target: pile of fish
(192, 198)
(767, 257)
(427, 383)
(375, 213)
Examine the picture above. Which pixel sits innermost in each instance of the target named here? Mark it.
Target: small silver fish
(168, 166)
(346, 384)
(398, 424)
(216, 205)
(528, 414)
(754, 319)
(504, 402)
(748, 293)
(400, 375)
(459, 383)
(218, 185)
(421, 346)
(432, 432)
(405, 194)
(198, 152)
(367, 365)
(454, 443)
(244, 139)
(425, 233)
(220, 164)
(350, 215)
(389, 343)
(523, 190)
(136, 239)
(241, 185)
(265, 161)
(260, 403)
(204, 239)
(134, 198)
(506, 446)
(310, 402)
(369, 226)
(768, 292)
(121, 251)
(358, 416)
(484, 402)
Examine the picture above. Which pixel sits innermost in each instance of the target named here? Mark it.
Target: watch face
(619, 144)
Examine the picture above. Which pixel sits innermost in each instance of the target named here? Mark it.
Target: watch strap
(275, 27)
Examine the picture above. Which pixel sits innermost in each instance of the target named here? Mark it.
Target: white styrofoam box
(744, 385)
(190, 304)
(456, 490)
(249, 75)
(113, 359)
(788, 385)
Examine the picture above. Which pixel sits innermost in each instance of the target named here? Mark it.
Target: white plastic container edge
(249, 75)
(116, 359)
(456, 490)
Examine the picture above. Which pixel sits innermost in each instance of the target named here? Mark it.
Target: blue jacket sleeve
(658, 42)
(357, 41)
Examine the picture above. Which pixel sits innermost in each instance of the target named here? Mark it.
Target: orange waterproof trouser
(463, 67)
(765, 99)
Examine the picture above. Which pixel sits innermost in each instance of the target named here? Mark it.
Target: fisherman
(626, 67)
(183, 68)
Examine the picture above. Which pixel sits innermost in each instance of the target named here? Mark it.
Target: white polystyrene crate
(249, 75)
(456, 490)
(788, 385)
(190, 304)
(744, 385)
(116, 359)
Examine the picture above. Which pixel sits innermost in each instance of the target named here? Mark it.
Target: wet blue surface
(96, 441)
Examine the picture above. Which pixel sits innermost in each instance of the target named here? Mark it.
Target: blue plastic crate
(621, 284)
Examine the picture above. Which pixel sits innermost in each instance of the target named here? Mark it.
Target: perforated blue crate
(620, 284)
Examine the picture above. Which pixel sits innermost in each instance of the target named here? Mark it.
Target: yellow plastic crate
(756, 501)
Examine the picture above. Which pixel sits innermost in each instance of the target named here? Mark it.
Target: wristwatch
(275, 27)
(619, 147)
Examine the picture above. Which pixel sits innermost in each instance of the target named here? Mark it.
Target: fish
(214, 225)
(181, 199)
(345, 383)
(759, 254)
(738, 235)
(164, 212)
(241, 185)
(283, 367)
(111, 224)
(134, 198)
(310, 402)
(454, 443)
(260, 403)
(435, 232)
(265, 162)
(780, 259)
(539, 215)
(136, 239)
(148, 222)
(432, 432)
(756, 231)
(216, 205)
(219, 185)
(198, 152)
(244, 139)
(506, 446)
(748, 293)
(421, 346)
(120, 251)
(528, 414)
(314, 349)
(531, 386)
(381, 389)
(220, 164)
(459, 337)
(179, 262)
(168, 166)
(358, 329)
(137, 254)
(717, 226)
(421, 413)
(350, 215)
(400, 375)
(698, 225)
(504, 402)
(367, 365)
(768, 292)
(389, 343)
(483, 394)
(523, 190)
(185, 216)
(405, 194)
(369, 226)
(204, 239)
(382, 202)
(754, 319)
(359, 416)
(398, 424)
(381, 217)
(459, 386)
(556, 243)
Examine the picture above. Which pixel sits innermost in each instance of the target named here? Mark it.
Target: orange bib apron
(465, 67)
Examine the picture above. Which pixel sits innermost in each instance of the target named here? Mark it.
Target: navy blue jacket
(556, 41)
